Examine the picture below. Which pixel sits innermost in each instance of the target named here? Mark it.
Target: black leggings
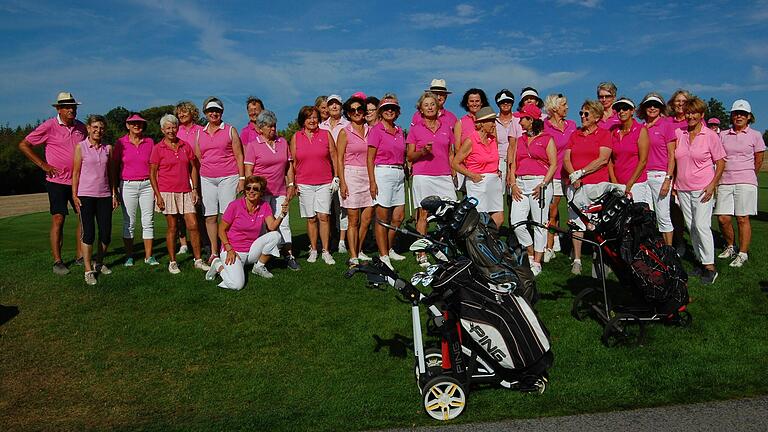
(99, 209)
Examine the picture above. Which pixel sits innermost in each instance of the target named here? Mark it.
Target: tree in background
(716, 109)
(289, 131)
(20, 176)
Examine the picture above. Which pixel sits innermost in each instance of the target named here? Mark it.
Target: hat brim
(438, 90)
(388, 104)
(60, 104)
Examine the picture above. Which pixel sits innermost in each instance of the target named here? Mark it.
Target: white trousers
(138, 193)
(276, 203)
(233, 275)
(519, 211)
(698, 220)
(660, 205)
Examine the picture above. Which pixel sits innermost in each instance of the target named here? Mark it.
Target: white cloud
(465, 14)
(592, 4)
(670, 85)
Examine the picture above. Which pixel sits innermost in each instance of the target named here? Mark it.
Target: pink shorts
(358, 186)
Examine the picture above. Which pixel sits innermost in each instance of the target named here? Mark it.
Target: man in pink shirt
(60, 135)
(254, 106)
(447, 118)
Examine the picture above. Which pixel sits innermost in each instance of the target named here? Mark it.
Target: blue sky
(145, 53)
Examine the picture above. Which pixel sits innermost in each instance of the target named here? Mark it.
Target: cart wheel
(444, 398)
(433, 360)
(582, 304)
(684, 318)
(624, 329)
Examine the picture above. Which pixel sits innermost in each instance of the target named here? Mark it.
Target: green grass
(148, 350)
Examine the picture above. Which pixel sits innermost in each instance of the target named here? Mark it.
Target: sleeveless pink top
(484, 158)
(216, 156)
(313, 158)
(626, 154)
(94, 176)
(356, 153)
(532, 156)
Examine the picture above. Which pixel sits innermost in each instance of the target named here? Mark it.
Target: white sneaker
(312, 256)
(576, 267)
(386, 261)
(173, 268)
(740, 259)
(728, 252)
(549, 255)
(328, 258)
(101, 268)
(201, 265)
(342, 247)
(535, 268)
(363, 257)
(182, 250)
(213, 270)
(260, 270)
(556, 244)
(90, 278)
(353, 262)
(395, 256)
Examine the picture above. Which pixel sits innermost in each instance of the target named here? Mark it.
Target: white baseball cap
(741, 105)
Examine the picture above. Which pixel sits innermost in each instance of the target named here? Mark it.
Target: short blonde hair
(553, 101)
(594, 107)
(607, 86)
(694, 104)
(189, 107)
(425, 95)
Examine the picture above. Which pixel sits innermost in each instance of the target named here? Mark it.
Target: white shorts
(489, 193)
(584, 196)
(736, 199)
(391, 184)
(314, 199)
(426, 185)
(559, 187)
(641, 192)
(217, 193)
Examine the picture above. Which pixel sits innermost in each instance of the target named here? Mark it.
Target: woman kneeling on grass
(241, 236)
(171, 166)
(92, 182)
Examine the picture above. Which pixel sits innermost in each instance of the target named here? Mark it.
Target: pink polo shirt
(173, 166)
(610, 123)
(436, 163)
(531, 157)
(484, 157)
(270, 163)
(660, 133)
(446, 117)
(334, 130)
(512, 129)
(94, 170)
(60, 141)
(467, 127)
(356, 153)
(625, 154)
(217, 159)
(313, 158)
(189, 133)
(390, 146)
(585, 147)
(695, 160)
(248, 134)
(244, 227)
(133, 159)
(740, 148)
(561, 137)
(678, 124)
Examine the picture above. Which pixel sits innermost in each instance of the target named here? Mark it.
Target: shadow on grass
(7, 313)
(397, 346)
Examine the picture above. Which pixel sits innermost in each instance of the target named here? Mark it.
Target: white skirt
(489, 192)
(426, 185)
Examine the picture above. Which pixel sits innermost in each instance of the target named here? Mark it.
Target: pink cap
(135, 118)
(360, 95)
(713, 120)
(530, 110)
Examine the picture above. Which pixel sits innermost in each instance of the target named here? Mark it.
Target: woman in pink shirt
(268, 156)
(560, 129)
(222, 172)
(92, 181)
(472, 101)
(661, 159)
(314, 160)
(532, 166)
(371, 110)
(430, 150)
(131, 156)
(248, 236)
(352, 147)
(386, 157)
(737, 192)
(697, 150)
(172, 167)
(606, 94)
(630, 153)
(675, 108)
(508, 128)
(188, 114)
(321, 103)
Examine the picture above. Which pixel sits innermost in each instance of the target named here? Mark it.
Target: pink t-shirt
(334, 130)
(446, 117)
(248, 134)
(173, 166)
(356, 153)
(133, 159)
(313, 158)
(270, 163)
(467, 127)
(740, 148)
(60, 141)
(189, 133)
(695, 160)
(512, 129)
(436, 163)
(531, 157)
(626, 154)
(484, 157)
(610, 123)
(390, 147)
(561, 138)
(660, 133)
(244, 227)
(94, 170)
(585, 147)
(217, 159)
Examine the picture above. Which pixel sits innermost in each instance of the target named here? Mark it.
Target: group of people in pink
(350, 159)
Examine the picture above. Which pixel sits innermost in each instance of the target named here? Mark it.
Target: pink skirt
(358, 186)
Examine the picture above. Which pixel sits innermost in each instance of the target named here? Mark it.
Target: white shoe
(199, 264)
(576, 267)
(312, 256)
(728, 252)
(385, 260)
(353, 262)
(101, 268)
(90, 278)
(535, 268)
(363, 257)
(182, 250)
(213, 270)
(740, 259)
(173, 268)
(342, 247)
(549, 255)
(556, 244)
(261, 270)
(395, 256)
(328, 258)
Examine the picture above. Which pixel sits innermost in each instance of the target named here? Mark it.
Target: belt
(400, 167)
(530, 177)
(140, 180)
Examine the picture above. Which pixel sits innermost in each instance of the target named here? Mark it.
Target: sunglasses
(213, 110)
(740, 113)
(623, 107)
(604, 96)
(584, 114)
(359, 110)
(390, 108)
(654, 105)
(253, 188)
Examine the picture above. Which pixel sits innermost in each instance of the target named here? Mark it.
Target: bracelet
(291, 184)
(669, 177)
(241, 178)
